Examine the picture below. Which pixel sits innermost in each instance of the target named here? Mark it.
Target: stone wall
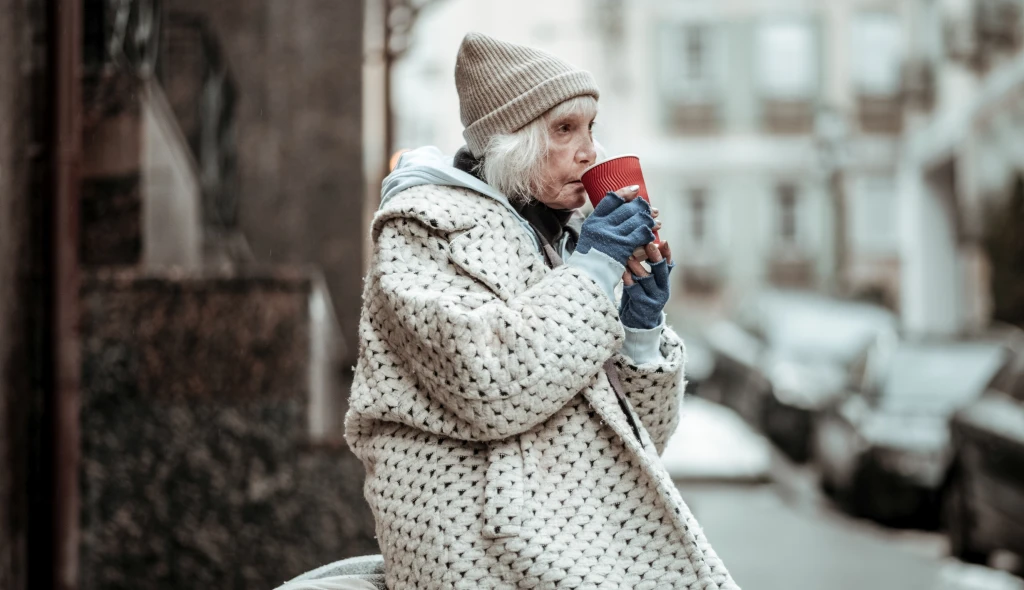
(297, 67)
(198, 469)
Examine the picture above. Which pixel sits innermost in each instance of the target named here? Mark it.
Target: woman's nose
(587, 154)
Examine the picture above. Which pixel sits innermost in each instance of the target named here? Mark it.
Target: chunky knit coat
(497, 454)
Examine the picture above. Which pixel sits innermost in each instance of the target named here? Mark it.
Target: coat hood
(428, 165)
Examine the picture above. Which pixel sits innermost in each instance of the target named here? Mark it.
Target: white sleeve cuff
(605, 271)
(644, 345)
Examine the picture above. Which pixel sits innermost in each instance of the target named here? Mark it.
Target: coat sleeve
(655, 389)
(502, 366)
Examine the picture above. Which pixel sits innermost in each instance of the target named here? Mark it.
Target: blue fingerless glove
(643, 301)
(616, 228)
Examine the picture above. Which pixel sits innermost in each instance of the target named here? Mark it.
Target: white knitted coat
(496, 452)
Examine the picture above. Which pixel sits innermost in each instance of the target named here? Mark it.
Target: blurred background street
(185, 195)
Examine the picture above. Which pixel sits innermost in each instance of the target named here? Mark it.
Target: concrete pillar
(25, 156)
(931, 292)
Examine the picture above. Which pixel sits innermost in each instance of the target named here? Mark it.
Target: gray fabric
(427, 165)
(369, 568)
(503, 86)
(617, 228)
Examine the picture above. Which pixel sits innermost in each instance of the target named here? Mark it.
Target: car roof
(937, 373)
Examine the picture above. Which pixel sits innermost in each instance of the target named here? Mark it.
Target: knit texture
(496, 452)
(643, 301)
(503, 86)
(617, 228)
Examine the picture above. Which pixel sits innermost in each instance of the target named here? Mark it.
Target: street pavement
(778, 532)
(769, 543)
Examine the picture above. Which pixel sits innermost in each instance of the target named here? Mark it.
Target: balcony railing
(918, 84)
(787, 116)
(790, 270)
(880, 114)
(701, 278)
(694, 118)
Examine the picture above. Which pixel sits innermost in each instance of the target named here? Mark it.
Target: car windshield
(941, 377)
(813, 329)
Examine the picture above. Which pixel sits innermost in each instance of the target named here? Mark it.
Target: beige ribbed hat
(503, 86)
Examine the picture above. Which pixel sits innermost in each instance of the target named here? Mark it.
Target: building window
(873, 216)
(698, 216)
(790, 264)
(787, 59)
(877, 53)
(877, 57)
(690, 65)
(786, 55)
(696, 52)
(701, 269)
(787, 214)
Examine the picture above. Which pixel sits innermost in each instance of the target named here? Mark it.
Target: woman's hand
(620, 224)
(640, 253)
(644, 294)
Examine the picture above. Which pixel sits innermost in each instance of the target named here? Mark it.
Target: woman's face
(571, 151)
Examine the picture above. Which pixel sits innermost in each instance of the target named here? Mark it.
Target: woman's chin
(573, 198)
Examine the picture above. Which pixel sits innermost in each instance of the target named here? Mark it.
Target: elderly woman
(508, 410)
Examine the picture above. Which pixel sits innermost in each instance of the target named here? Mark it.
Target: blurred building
(768, 132)
(962, 159)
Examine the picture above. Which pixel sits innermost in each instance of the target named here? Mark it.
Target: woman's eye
(563, 128)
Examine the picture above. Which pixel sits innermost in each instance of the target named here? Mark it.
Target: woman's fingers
(660, 272)
(657, 226)
(655, 212)
(628, 193)
(640, 253)
(654, 253)
(665, 251)
(627, 278)
(636, 268)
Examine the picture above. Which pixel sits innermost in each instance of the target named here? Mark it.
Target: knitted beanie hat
(502, 87)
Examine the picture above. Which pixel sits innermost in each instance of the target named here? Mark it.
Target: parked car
(884, 452)
(813, 343)
(787, 355)
(700, 359)
(985, 499)
(737, 380)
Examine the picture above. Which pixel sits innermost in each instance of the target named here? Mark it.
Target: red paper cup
(613, 174)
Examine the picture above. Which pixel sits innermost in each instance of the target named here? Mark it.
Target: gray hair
(514, 163)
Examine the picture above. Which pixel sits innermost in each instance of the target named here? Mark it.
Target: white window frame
(780, 46)
(877, 50)
(676, 81)
(873, 218)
